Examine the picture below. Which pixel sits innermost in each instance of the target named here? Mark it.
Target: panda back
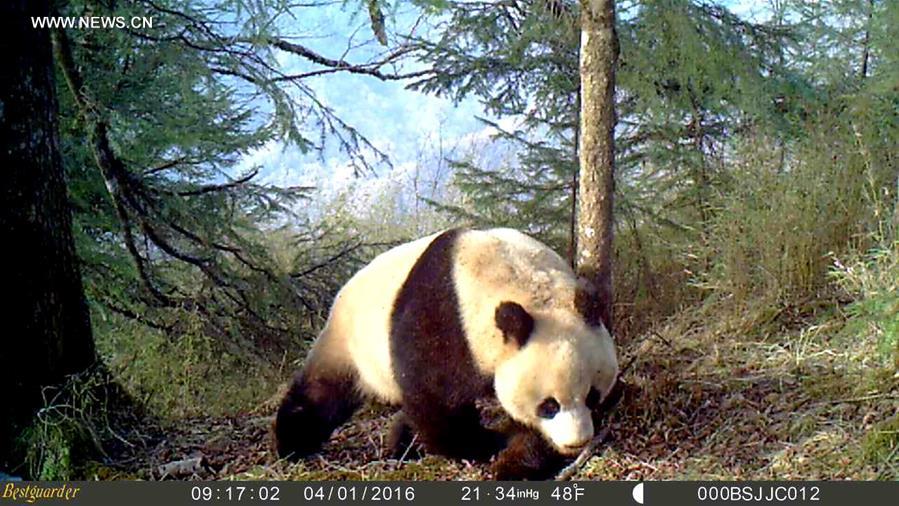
(359, 323)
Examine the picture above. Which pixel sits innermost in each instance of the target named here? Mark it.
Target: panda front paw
(508, 467)
(527, 457)
(401, 440)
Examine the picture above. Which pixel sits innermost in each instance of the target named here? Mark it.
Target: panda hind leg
(456, 433)
(319, 400)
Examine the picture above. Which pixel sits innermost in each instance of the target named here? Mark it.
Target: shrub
(786, 210)
(873, 279)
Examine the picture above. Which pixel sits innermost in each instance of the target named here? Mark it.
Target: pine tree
(154, 122)
(690, 75)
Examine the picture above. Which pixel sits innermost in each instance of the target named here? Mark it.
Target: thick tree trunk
(47, 332)
(599, 56)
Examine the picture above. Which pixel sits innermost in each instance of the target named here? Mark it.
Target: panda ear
(584, 285)
(514, 321)
(587, 303)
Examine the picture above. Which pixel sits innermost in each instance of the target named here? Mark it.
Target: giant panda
(436, 324)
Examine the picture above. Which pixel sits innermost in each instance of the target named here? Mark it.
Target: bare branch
(372, 69)
(216, 187)
(334, 258)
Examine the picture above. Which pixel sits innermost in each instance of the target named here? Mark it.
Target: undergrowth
(86, 418)
(185, 375)
(769, 387)
(873, 279)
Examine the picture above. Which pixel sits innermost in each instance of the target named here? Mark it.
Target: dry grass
(724, 401)
(711, 395)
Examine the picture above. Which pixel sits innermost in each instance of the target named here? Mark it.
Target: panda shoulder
(508, 262)
(531, 254)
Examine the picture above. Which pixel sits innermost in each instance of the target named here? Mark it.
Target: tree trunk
(572, 220)
(599, 56)
(47, 325)
(866, 43)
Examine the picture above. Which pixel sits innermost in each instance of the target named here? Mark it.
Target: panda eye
(592, 398)
(548, 408)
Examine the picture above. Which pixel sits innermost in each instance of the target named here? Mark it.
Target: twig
(406, 453)
(887, 395)
(661, 338)
(344, 252)
(568, 471)
(627, 366)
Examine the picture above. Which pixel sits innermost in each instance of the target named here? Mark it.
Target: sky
(399, 122)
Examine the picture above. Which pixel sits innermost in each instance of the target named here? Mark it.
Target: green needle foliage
(721, 179)
(691, 76)
(170, 230)
(686, 71)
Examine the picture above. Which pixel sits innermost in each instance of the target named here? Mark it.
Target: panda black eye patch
(548, 408)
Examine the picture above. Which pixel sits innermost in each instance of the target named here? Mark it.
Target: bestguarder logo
(36, 492)
(92, 22)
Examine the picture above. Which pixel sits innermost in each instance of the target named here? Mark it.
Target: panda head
(560, 370)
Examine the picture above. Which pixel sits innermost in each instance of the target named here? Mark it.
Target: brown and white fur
(438, 323)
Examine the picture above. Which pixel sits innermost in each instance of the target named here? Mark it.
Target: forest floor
(702, 402)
